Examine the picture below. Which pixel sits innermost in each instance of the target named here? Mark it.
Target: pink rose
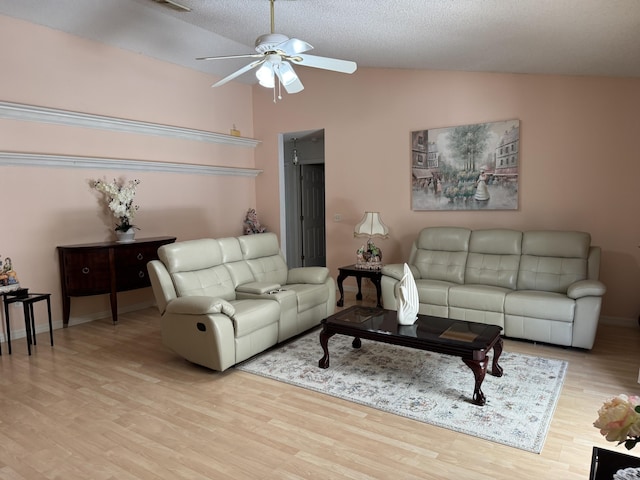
(618, 419)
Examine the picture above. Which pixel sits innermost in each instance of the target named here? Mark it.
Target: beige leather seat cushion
(252, 315)
(536, 304)
(309, 295)
(478, 297)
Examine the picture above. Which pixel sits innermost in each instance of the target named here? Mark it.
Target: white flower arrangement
(120, 201)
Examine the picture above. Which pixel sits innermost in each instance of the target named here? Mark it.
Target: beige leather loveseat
(537, 285)
(224, 300)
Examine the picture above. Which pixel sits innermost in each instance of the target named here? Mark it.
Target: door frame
(285, 141)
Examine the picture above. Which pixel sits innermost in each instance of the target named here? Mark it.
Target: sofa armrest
(200, 305)
(315, 275)
(257, 288)
(396, 270)
(586, 288)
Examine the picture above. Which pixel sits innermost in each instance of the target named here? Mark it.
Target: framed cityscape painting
(468, 167)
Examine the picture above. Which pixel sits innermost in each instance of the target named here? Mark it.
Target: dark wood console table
(105, 267)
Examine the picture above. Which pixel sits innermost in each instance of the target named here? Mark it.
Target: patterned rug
(425, 386)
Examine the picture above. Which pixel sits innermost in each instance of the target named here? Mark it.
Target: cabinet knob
(85, 270)
(140, 256)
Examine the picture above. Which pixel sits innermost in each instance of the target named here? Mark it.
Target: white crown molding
(33, 113)
(71, 161)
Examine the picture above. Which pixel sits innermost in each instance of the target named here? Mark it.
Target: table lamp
(370, 257)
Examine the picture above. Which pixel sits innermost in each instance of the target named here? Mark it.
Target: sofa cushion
(259, 245)
(550, 274)
(309, 295)
(494, 258)
(230, 248)
(478, 297)
(543, 305)
(553, 260)
(434, 292)
(212, 282)
(452, 239)
(190, 255)
(552, 243)
(261, 253)
(442, 253)
(252, 315)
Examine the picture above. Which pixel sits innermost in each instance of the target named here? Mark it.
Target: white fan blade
(343, 66)
(294, 46)
(247, 55)
(295, 86)
(288, 78)
(237, 73)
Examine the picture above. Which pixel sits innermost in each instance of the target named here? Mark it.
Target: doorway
(303, 204)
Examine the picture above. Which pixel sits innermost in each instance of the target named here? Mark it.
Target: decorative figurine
(408, 302)
(251, 223)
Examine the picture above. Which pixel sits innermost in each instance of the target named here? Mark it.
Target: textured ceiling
(571, 37)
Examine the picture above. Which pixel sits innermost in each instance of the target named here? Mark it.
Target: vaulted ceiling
(570, 37)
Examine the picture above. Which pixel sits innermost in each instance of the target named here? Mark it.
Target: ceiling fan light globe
(287, 75)
(265, 76)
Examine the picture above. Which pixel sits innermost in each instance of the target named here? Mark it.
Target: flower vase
(127, 236)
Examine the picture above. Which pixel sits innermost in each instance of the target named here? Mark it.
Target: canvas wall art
(468, 167)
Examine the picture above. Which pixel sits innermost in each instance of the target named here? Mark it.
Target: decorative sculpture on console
(408, 298)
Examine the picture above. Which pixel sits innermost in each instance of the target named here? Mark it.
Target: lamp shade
(371, 226)
(265, 75)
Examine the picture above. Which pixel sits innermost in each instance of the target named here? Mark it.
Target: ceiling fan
(276, 53)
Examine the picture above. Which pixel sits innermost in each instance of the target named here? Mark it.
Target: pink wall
(578, 159)
(46, 206)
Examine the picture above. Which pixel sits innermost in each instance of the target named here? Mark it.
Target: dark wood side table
(359, 273)
(105, 267)
(29, 321)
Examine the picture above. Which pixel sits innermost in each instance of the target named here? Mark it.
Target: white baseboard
(57, 324)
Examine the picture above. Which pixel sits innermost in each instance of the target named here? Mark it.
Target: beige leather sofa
(224, 300)
(537, 285)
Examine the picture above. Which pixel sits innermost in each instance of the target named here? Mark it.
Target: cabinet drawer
(130, 278)
(86, 272)
(135, 255)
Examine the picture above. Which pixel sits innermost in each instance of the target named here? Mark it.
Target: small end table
(359, 273)
(29, 322)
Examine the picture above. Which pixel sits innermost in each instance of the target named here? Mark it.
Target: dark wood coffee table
(468, 340)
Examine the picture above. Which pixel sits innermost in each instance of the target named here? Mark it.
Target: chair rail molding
(71, 161)
(34, 113)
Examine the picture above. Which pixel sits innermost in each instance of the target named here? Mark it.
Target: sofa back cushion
(441, 253)
(262, 254)
(196, 268)
(494, 258)
(553, 260)
(234, 262)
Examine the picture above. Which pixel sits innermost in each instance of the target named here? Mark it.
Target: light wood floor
(110, 402)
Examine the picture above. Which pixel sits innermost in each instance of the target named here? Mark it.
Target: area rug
(425, 386)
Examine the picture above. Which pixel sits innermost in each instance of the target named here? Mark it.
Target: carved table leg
(324, 343)
(496, 370)
(341, 278)
(376, 283)
(479, 369)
